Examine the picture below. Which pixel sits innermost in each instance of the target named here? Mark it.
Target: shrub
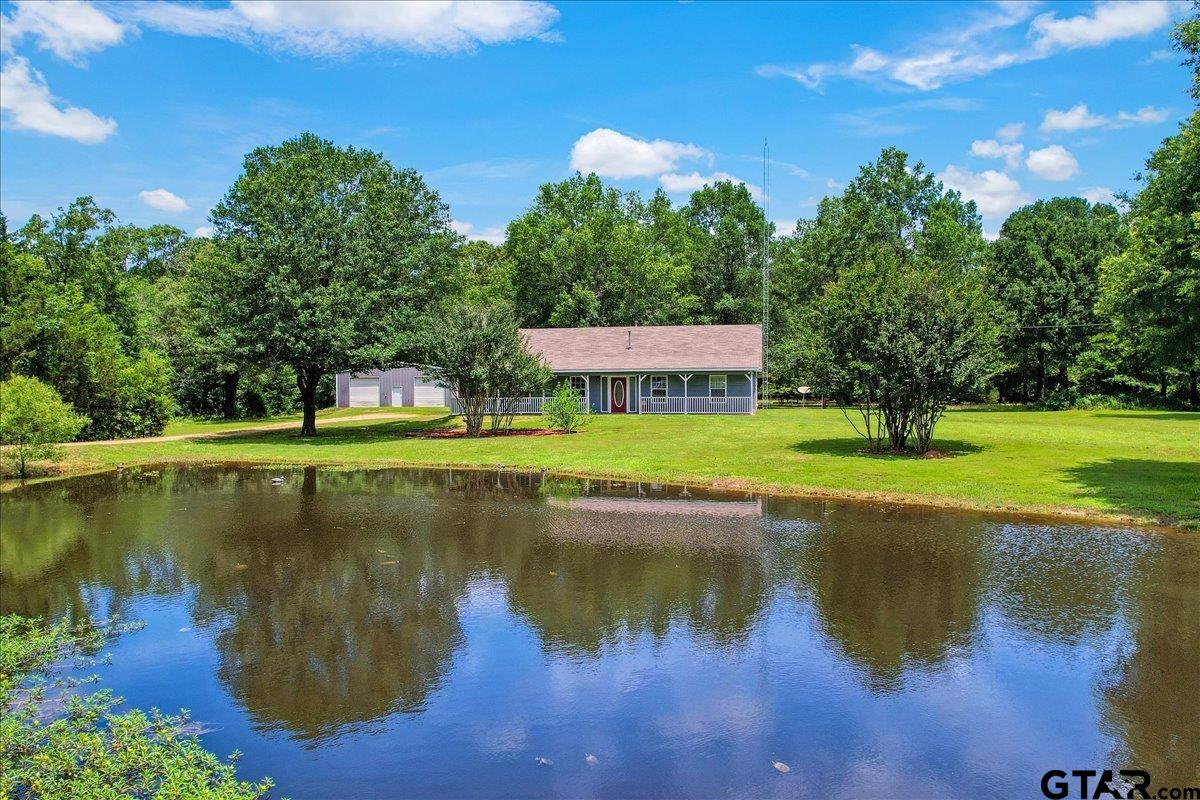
(562, 410)
(87, 750)
(33, 418)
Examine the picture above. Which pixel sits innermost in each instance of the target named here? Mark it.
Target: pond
(433, 633)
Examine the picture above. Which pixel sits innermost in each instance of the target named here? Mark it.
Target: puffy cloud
(971, 48)
(614, 155)
(1148, 115)
(1054, 163)
(995, 193)
(990, 148)
(341, 27)
(1011, 131)
(27, 104)
(1078, 118)
(1100, 194)
(69, 29)
(677, 183)
(204, 232)
(1108, 22)
(163, 200)
(494, 235)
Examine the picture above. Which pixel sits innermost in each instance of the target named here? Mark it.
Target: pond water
(469, 634)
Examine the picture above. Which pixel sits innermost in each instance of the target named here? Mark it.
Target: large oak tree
(335, 257)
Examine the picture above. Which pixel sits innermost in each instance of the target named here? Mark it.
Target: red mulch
(462, 434)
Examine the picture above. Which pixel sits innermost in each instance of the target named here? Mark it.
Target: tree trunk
(1162, 385)
(1063, 381)
(1193, 389)
(229, 403)
(306, 382)
(1041, 380)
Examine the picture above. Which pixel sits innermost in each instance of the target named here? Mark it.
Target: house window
(717, 385)
(579, 385)
(658, 388)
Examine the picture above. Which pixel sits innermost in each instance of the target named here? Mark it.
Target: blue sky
(150, 107)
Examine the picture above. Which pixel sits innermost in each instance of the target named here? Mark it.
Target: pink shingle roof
(648, 347)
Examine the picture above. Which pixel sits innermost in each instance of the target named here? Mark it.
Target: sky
(151, 107)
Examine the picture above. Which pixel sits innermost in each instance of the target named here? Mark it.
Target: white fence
(649, 405)
(522, 405)
(697, 405)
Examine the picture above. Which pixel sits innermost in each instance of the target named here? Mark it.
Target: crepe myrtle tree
(901, 344)
(335, 255)
(477, 352)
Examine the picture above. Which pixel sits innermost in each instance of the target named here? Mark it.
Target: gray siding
(736, 384)
(402, 377)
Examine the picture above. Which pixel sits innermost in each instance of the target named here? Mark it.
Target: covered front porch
(668, 392)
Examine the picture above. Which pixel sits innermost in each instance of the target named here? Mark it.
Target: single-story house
(652, 369)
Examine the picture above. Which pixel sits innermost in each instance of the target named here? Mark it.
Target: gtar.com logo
(1125, 784)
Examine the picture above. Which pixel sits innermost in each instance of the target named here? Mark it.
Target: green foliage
(588, 254)
(1043, 273)
(726, 229)
(904, 327)
(478, 353)
(1151, 291)
(32, 419)
(333, 256)
(1186, 36)
(72, 316)
(88, 749)
(563, 411)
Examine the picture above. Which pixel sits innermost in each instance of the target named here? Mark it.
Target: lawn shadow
(336, 434)
(855, 447)
(1140, 486)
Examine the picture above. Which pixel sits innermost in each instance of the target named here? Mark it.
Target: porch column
(686, 378)
(639, 393)
(753, 378)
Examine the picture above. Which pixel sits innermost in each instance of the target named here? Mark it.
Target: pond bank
(1118, 467)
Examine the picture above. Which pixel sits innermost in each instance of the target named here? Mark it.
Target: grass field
(1117, 465)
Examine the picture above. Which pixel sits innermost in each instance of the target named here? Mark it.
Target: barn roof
(646, 348)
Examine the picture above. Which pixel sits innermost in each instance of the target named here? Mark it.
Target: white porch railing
(697, 405)
(523, 405)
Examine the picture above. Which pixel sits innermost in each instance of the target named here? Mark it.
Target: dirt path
(273, 426)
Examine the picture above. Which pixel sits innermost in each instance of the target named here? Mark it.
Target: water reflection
(343, 602)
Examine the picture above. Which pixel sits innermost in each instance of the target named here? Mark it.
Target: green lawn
(1142, 465)
(186, 426)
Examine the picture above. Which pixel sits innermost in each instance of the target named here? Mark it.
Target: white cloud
(69, 29)
(204, 232)
(26, 104)
(1158, 55)
(990, 148)
(614, 155)
(1148, 115)
(830, 183)
(1078, 118)
(995, 193)
(978, 45)
(494, 235)
(342, 27)
(1010, 132)
(1108, 22)
(677, 183)
(163, 200)
(1099, 194)
(1054, 163)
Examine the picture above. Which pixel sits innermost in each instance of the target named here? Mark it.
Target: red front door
(618, 395)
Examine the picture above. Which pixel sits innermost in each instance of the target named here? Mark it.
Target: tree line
(327, 259)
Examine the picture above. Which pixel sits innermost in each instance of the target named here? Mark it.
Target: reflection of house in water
(653, 505)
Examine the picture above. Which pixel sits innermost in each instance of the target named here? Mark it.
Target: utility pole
(766, 277)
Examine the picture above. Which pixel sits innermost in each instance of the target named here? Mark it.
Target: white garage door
(364, 391)
(426, 394)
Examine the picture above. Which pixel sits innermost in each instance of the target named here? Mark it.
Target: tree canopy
(334, 257)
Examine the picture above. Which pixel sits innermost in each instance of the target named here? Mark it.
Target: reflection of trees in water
(893, 597)
(1057, 584)
(321, 629)
(1153, 706)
